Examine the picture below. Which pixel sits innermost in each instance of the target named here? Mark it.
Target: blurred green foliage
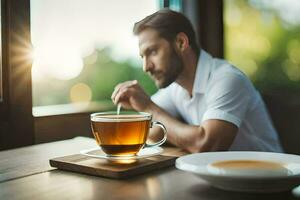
(263, 45)
(101, 73)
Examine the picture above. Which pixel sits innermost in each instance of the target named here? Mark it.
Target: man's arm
(212, 135)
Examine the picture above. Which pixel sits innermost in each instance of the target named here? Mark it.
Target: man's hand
(131, 96)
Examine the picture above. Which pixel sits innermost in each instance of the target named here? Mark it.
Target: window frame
(207, 19)
(16, 121)
(3, 102)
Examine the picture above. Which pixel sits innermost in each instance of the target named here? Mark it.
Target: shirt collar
(202, 73)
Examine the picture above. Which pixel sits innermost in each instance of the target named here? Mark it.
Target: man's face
(160, 60)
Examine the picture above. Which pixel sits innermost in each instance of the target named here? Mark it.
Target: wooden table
(25, 174)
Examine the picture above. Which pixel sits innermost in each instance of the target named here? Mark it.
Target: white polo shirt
(222, 92)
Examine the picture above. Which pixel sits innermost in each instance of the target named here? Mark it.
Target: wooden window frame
(207, 19)
(16, 124)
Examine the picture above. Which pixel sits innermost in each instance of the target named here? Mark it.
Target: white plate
(143, 153)
(199, 164)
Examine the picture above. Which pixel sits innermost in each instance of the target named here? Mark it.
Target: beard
(174, 67)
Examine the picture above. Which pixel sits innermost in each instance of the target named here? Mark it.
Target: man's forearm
(191, 138)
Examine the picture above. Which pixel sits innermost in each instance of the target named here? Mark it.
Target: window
(82, 50)
(263, 39)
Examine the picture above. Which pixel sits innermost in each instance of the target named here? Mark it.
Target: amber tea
(121, 134)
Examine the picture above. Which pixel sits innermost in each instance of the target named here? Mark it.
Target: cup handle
(156, 123)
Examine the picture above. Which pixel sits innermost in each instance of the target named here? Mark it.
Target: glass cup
(124, 134)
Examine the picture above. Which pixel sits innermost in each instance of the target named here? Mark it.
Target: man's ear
(181, 41)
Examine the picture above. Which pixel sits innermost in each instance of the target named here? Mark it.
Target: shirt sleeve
(228, 98)
(163, 98)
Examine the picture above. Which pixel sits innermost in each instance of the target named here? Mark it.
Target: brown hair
(168, 24)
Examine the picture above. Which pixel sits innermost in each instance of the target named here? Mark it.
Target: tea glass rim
(136, 116)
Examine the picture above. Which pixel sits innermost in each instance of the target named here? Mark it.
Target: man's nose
(147, 65)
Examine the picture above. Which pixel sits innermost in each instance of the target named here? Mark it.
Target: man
(205, 103)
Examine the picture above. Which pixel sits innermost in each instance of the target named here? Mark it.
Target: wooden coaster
(116, 169)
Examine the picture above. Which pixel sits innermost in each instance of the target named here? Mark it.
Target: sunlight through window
(85, 48)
